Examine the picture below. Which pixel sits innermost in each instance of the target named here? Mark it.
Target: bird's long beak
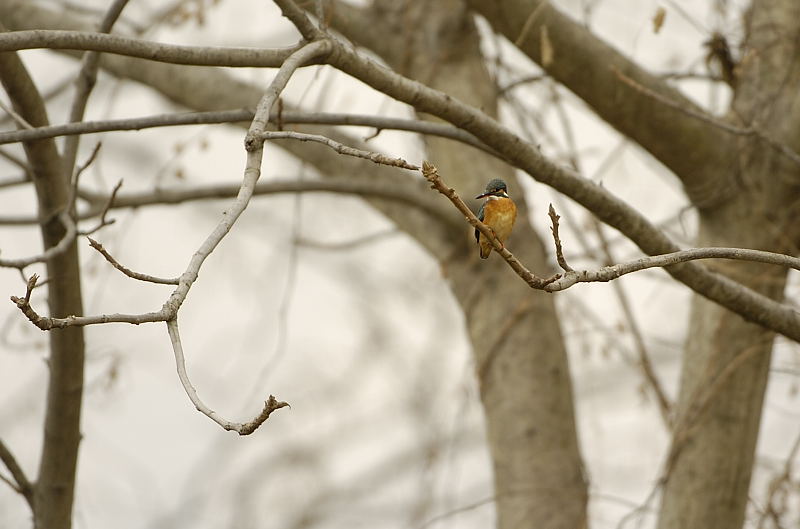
(482, 196)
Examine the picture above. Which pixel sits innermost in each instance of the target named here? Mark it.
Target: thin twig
(375, 157)
(127, 271)
(168, 313)
(15, 116)
(67, 220)
(103, 212)
(554, 217)
(270, 405)
(780, 483)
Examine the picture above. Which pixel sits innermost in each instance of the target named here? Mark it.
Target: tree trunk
(55, 486)
(726, 361)
(520, 357)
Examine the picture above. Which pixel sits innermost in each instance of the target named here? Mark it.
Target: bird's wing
(480, 218)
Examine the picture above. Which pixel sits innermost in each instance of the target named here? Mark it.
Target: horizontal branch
(609, 273)
(244, 115)
(47, 323)
(372, 156)
(407, 193)
(236, 57)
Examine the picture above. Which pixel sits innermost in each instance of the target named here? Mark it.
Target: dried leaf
(658, 19)
(546, 48)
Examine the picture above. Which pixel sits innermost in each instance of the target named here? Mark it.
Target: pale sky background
(366, 343)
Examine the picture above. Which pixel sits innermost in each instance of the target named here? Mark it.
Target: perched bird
(498, 212)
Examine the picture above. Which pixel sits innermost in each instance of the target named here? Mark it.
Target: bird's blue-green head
(495, 188)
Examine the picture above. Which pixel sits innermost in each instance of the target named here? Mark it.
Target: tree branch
(374, 157)
(144, 49)
(247, 428)
(744, 301)
(697, 152)
(84, 84)
(234, 116)
(127, 271)
(431, 174)
(571, 277)
(23, 485)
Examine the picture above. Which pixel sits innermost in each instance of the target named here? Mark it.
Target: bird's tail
(485, 248)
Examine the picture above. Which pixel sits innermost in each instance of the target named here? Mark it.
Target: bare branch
(47, 323)
(748, 303)
(341, 149)
(103, 212)
(254, 147)
(607, 273)
(70, 233)
(19, 120)
(299, 18)
(84, 84)
(233, 116)
(247, 428)
(127, 271)
(162, 120)
(144, 49)
(70, 228)
(562, 262)
(22, 484)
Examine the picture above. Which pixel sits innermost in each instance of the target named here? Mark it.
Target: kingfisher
(498, 212)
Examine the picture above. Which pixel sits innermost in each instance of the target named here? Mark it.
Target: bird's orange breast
(500, 214)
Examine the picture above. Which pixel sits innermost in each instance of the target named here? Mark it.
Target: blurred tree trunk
(519, 352)
(726, 361)
(55, 485)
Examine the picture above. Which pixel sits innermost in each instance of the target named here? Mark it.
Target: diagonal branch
(127, 271)
(697, 151)
(22, 484)
(744, 301)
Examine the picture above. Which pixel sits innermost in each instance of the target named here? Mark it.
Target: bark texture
(55, 486)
